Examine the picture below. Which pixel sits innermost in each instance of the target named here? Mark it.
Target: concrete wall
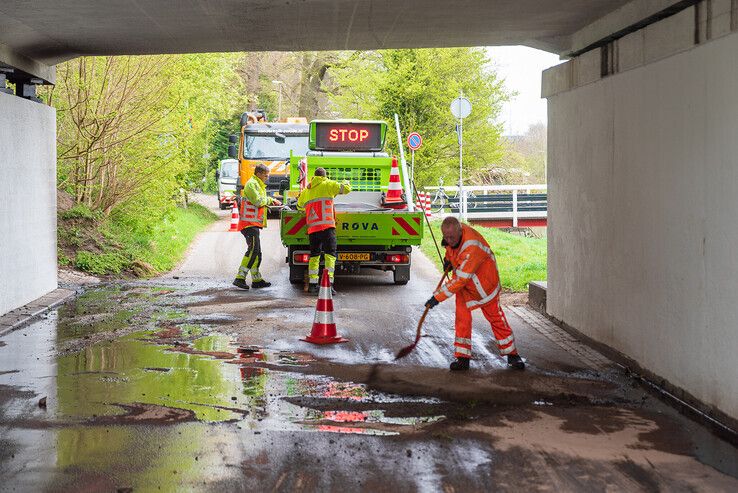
(27, 201)
(643, 216)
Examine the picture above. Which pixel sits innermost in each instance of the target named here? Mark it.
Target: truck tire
(297, 274)
(401, 275)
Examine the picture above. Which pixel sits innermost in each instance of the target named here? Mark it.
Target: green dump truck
(370, 236)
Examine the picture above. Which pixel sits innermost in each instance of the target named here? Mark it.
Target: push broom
(408, 349)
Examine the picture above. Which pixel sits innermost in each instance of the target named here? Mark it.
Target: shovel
(408, 349)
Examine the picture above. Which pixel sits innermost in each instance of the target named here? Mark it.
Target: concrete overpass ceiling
(51, 31)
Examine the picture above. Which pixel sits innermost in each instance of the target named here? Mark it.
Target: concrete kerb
(15, 319)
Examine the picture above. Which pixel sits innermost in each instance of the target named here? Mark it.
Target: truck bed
(360, 224)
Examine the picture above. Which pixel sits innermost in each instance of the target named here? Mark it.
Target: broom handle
(425, 312)
(438, 250)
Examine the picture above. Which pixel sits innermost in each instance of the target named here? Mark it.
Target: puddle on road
(113, 372)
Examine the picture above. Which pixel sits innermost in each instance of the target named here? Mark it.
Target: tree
(133, 130)
(419, 85)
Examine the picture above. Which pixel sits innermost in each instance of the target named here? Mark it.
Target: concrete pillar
(27, 201)
(643, 206)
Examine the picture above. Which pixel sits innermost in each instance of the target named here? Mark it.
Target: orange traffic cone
(234, 218)
(394, 197)
(324, 329)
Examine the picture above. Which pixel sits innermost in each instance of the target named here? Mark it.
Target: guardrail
(492, 202)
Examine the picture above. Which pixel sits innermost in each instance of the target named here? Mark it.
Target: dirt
(139, 412)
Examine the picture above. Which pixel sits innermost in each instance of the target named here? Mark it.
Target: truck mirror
(233, 139)
(232, 151)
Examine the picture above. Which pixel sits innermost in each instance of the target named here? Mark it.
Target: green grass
(519, 259)
(109, 247)
(164, 245)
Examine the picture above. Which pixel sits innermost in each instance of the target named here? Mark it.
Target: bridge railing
(492, 201)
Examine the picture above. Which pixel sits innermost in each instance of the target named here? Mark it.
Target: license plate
(355, 257)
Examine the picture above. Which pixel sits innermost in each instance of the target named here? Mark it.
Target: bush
(101, 263)
(79, 211)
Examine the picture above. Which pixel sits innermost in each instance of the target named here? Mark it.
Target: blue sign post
(414, 141)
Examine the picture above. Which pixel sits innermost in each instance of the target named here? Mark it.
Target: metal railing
(491, 202)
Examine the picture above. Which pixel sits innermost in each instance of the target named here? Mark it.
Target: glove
(432, 301)
(447, 267)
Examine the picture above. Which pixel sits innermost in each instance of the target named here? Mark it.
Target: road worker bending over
(252, 218)
(476, 284)
(317, 202)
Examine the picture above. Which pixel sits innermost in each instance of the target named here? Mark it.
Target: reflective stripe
(446, 291)
(478, 284)
(507, 340)
(325, 293)
(462, 274)
(250, 212)
(483, 301)
(323, 317)
(313, 272)
(508, 350)
(462, 340)
(479, 244)
(463, 350)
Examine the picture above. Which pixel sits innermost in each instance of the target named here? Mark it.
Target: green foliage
(519, 259)
(79, 211)
(118, 245)
(101, 263)
(134, 130)
(419, 85)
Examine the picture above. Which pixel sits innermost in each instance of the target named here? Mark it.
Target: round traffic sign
(460, 107)
(414, 141)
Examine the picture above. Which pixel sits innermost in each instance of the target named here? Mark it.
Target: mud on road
(193, 385)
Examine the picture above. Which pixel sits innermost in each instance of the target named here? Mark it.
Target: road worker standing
(252, 219)
(476, 284)
(317, 202)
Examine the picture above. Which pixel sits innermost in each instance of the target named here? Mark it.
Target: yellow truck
(270, 144)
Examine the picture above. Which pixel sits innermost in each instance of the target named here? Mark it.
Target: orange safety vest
(250, 215)
(319, 214)
(475, 273)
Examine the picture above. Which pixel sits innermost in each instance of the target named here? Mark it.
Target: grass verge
(106, 246)
(519, 259)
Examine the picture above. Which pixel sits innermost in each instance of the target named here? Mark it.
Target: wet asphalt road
(184, 383)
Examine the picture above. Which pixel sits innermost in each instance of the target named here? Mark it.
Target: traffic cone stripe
(234, 218)
(324, 305)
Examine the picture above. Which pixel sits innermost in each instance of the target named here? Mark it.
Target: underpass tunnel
(642, 171)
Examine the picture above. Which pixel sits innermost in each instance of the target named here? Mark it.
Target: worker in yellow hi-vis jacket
(252, 219)
(317, 202)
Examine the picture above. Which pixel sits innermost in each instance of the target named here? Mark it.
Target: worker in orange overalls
(476, 284)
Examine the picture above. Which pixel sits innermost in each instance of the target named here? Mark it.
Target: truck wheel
(401, 275)
(297, 274)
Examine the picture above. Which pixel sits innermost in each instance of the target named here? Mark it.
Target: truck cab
(370, 234)
(270, 144)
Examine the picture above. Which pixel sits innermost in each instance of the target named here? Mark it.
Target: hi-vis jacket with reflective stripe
(253, 204)
(317, 202)
(475, 273)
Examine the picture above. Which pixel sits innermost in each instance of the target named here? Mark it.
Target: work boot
(240, 283)
(515, 362)
(260, 284)
(333, 291)
(313, 289)
(461, 364)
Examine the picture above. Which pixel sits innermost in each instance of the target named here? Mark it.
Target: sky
(521, 68)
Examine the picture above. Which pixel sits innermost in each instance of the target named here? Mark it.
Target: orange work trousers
(494, 315)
